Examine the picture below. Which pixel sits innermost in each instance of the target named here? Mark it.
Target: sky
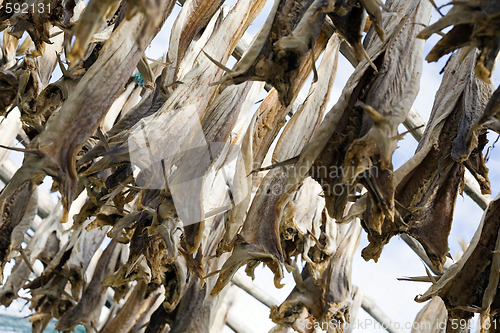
(377, 280)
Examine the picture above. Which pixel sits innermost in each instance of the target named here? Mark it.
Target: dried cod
(267, 60)
(164, 163)
(429, 182)
(325, 299)
(259, 239)
(474, 24)
(272, 112)
(44, 245)
(56, 156)
(469, 286)
(359, 134)
(432, 317)
(17, 215)
(36, 18)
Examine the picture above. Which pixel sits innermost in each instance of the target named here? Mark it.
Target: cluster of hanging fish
(163, 165)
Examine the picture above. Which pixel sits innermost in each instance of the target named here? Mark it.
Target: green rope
(138, 79)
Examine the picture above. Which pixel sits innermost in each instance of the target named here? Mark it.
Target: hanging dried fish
(490, 118)
(349, 18)
(302, 219)
(428, 183)
(338, 292)
(268, 60)
(167, 168)
(260, 235)
(303, 306)
(88, 309)
(325, 299)
(36, 18)
(9, 127)
(432, 317)
(359, 134)
(193, 17)
(44, 245)
(56, 155)
(8, 89)
(303, 224)
(241, 193)
(258, 242)
(470, 285)
(17, 215)
(272, 112)
(136, 303)
(87, 25)
(474, 24)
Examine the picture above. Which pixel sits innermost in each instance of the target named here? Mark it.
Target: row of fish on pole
(73, 139)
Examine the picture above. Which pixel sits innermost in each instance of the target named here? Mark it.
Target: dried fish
(165, 158)
(59, 155)
(258, 242)
(338, 286)
(349, 143)
(302, 124)
(325, 299)
(491, 116)
(260, 235)
(425, 194)
(193, 17)
(87, 26)
(36, 19)
(18, 212)
(470, 284)
(9, 127)
(474, 24)
(268, 60)
(302, 306)
(272, 112)
(44, 245)
(137, 303)
(432, 317)
(301, 224)
(289, 143)
(88, 309)
(8, 89)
